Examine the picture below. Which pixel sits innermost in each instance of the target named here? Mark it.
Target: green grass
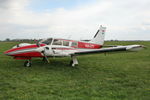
(120, 76)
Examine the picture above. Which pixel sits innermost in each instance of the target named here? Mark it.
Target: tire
(27, 64)
(71, 62)
(44, 59)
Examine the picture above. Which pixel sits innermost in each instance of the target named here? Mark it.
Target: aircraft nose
(8, 52)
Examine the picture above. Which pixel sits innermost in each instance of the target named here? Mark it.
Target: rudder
(99, 36)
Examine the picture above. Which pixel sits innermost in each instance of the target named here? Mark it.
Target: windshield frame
(46, 41)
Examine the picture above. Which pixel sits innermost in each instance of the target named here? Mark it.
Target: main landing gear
(73, 61)
(27, 63)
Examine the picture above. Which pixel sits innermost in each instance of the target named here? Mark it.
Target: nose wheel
(27, 63)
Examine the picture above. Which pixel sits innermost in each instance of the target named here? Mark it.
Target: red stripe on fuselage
(88, 45)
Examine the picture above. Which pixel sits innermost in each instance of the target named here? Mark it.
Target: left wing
(111, 49)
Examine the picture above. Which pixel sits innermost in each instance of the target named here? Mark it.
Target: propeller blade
(43, 52)
(46, 58)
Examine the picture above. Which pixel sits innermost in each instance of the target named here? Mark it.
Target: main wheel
(27, 64)
(71, 62)
(44, 59)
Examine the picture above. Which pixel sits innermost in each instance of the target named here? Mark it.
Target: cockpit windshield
(57, 42)
(51, 41)
(47, 41)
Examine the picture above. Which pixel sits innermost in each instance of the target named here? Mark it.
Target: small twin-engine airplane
(53, 47)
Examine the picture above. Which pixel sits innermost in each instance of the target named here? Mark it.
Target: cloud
(123, 19)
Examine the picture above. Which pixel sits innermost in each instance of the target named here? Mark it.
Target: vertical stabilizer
(99, 36)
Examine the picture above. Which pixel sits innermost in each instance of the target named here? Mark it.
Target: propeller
(38, 43)
(43, 52)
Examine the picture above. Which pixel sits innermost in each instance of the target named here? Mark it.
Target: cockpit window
(65, 43)
(57, 42)
(47, 41)
(74, 44)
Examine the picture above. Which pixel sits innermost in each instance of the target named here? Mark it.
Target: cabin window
(57, 42)
(74, 44)
(47, 41)
(65, 43)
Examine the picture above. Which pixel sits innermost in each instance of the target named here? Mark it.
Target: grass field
(119, 76)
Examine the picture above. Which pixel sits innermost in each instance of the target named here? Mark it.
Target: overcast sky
(75, 19)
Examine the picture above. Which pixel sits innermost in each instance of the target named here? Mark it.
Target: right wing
(111, 49)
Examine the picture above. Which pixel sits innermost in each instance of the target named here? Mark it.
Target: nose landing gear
(27, 63)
